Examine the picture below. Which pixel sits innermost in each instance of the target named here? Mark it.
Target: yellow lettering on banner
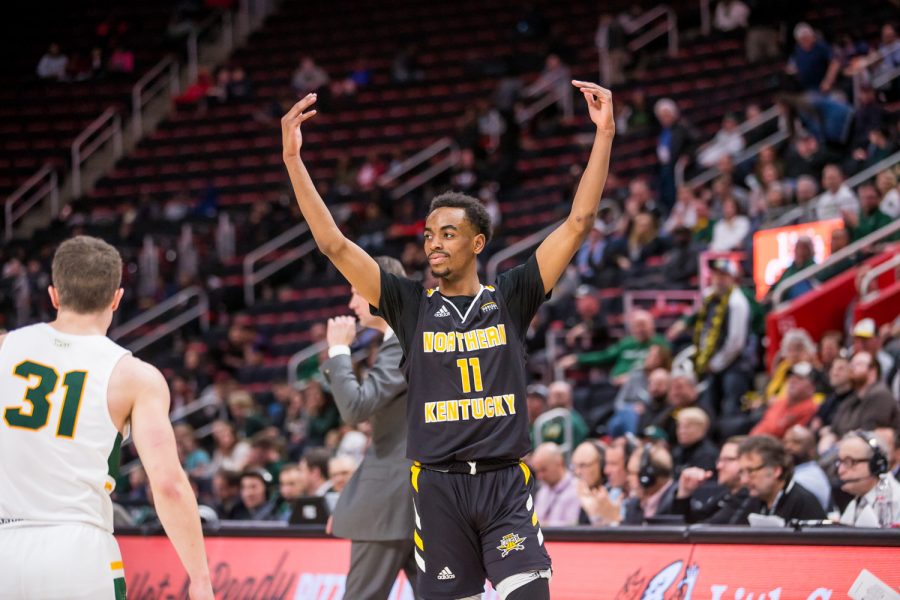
(489, 407)
(429, 412)
(471, 341)
(441, 411)
(440, 341)
(498, 406)
(501, 329)
(482, 338)
(464, 406)
(493, 337)
(428, 341)
(510, 400)
(452, 410)
(477, 408)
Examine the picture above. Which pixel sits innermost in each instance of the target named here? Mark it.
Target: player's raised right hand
(291, 137)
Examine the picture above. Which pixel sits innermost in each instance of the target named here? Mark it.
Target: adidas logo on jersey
(446, 573)
(442, 312)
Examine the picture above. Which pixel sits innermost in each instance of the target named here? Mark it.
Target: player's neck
(464, 286)
(80, 324)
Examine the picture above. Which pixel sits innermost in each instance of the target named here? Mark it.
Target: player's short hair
(476, 213)
(391, 265)
(86, 273)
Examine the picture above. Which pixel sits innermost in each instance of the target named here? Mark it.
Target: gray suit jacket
(376, 504)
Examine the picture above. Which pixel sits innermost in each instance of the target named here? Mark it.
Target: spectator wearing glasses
(861, 462)
(726, 502)
(767, 470)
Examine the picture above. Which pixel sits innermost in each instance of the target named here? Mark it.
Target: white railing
(556, 413)
(846, 252)
(253, 276)
(797, 213)
(200, 312)
(41, 185)
(301, 357)
(545, 101)
(745, 154)
(220, 21)
(873, 274)
(666, 24)
(107, 126)
(161, 77)
(452, 159)
(660, 299)
(526, 243)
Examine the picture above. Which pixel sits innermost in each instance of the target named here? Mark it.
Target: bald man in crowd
(556, 501)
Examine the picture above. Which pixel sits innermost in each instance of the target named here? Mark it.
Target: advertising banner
(773, 250)
(315, 569)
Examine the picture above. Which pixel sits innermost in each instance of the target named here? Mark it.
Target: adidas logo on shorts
(446, 574)
(442, 312)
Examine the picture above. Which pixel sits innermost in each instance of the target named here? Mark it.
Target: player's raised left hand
(600, 107)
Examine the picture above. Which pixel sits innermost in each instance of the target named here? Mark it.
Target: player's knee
(533, 585)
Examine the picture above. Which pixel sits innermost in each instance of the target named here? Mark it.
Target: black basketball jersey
(465, 364)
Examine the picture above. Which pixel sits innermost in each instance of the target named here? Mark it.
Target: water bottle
(884, 502)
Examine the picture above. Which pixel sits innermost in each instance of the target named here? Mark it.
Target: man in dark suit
(375, 508)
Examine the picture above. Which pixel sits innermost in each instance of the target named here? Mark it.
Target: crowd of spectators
(638, 432)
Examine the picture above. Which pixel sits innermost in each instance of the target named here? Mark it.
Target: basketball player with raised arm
(68, 392)
(464, 359)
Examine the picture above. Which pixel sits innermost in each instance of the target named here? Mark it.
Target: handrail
(48, 178)
(874, 273)
(670, 27)
(300, 357)
(107, 126)
(797, 212)
(540, 104)
(524, 244)
(745, 154)
(874, 237)
(549, 415)
(749, 125)
(881, 80)
(426, 154)
(143, 85)
(201, 312)
(251, 277)
(704, 17)
(193, 39)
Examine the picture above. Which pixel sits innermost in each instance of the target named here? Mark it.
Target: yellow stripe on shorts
(418, 541)
(527, 472)
(116, 565)
(415, 469)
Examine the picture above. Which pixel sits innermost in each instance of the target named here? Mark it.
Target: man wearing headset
(650, 479)
(860, 464)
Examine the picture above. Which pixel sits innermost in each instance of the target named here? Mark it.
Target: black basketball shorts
(472, 527)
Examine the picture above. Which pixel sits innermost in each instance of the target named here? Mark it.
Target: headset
(647, 473)
(878, 462)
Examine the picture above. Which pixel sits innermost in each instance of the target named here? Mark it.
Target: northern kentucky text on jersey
(468, 341)
(470, 408)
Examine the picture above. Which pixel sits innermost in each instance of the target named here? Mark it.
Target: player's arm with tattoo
(359, 268)
(556, 252)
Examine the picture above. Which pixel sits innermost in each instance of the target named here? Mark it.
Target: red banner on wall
(315, 569)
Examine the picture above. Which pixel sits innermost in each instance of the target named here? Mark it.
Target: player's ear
(54, 296)
(117, 298)
(479, 242)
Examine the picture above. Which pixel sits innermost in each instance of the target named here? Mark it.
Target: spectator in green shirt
(870, 218)
(626, 354)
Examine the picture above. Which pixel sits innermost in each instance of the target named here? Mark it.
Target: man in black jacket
(767, 470)
(725, 502)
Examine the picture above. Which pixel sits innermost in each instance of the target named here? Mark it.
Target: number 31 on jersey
(37, 415)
